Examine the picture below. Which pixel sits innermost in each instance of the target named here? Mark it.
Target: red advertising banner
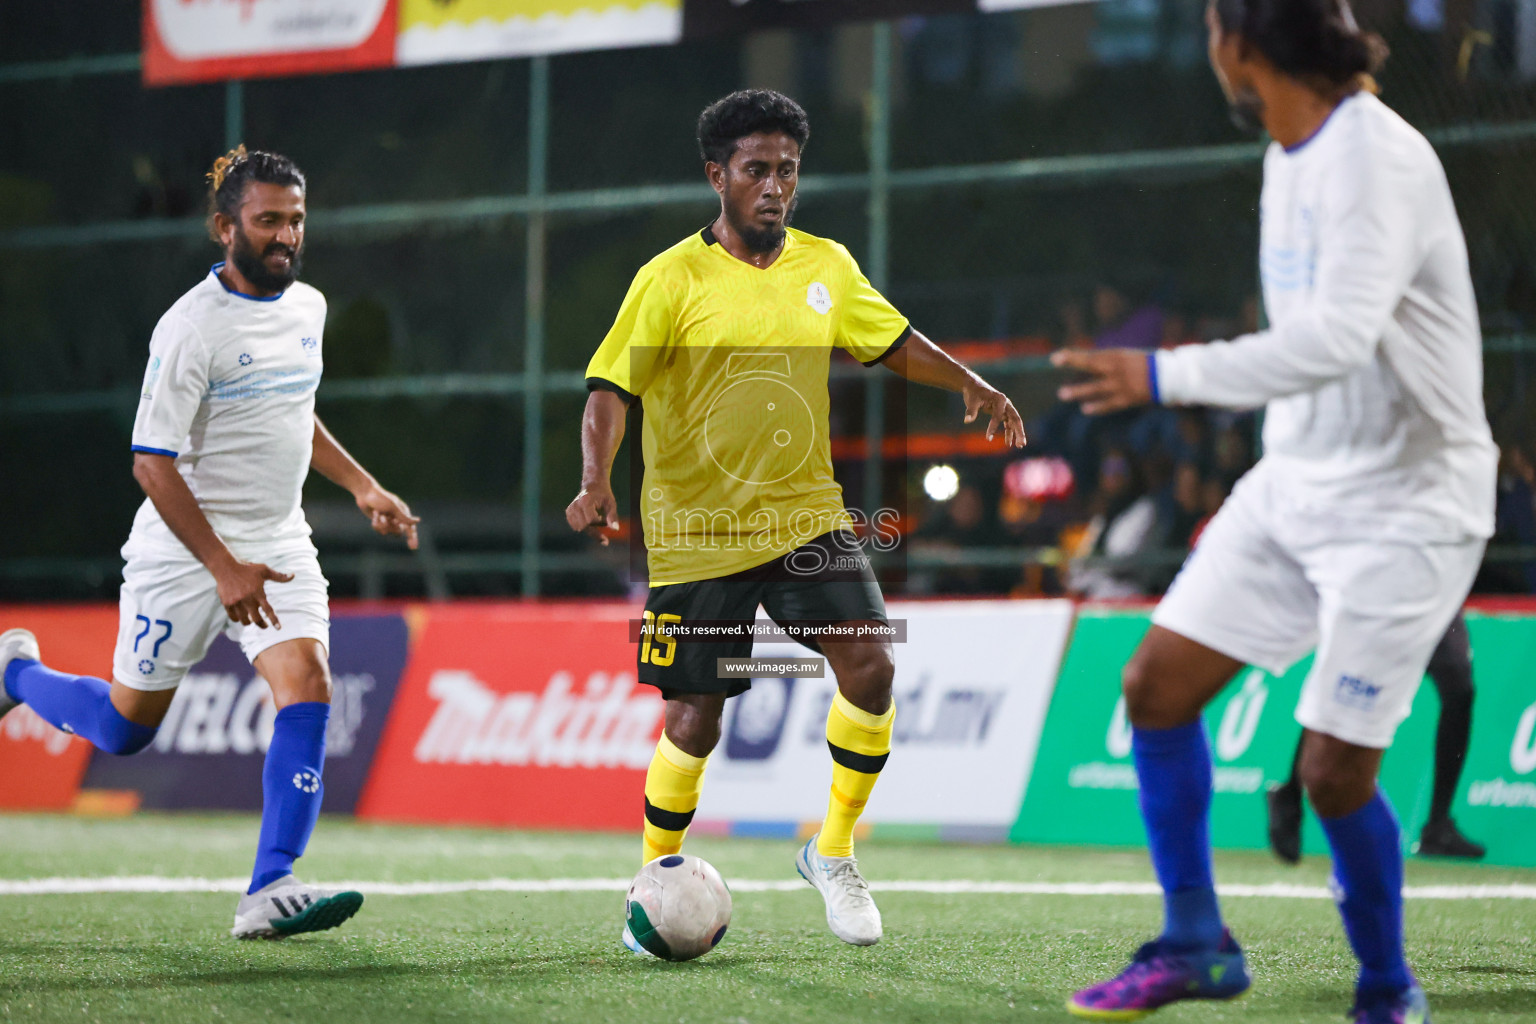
(46, 765)
(524, 716)
(216, 40)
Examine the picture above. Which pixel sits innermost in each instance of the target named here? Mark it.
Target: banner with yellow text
(437, 31)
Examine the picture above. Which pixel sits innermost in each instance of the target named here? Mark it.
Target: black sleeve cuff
(901, 339)
(599, 384)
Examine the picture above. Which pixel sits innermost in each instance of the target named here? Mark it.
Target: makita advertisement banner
(211, 747)
(42, 765)
(972, 685)
(525, 716)
(1083, 789)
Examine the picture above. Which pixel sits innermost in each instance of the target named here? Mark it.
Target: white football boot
(289, 907)
(851, 911)
(15, 643)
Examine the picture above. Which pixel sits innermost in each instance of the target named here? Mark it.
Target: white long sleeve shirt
(230, 395)
(1371, 372)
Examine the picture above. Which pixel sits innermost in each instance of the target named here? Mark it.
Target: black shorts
(824, 581)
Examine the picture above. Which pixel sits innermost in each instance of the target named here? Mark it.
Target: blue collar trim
(1298, 147)
(214, 270)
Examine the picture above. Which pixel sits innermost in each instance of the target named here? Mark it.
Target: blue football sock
(1368, 866)
(291, 787)
(77, 704)
(1174, 769)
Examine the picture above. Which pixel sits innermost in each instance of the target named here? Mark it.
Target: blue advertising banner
(210, 749)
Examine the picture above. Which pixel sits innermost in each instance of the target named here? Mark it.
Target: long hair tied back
(1308, 38)
(235, 169)
(224, 164)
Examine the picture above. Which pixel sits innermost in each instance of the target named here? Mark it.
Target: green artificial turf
(555, 956)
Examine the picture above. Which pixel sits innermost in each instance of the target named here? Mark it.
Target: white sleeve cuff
(1174, 376)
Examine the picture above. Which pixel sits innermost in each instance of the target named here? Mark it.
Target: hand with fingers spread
(1119, 378)
(242, 592)
(594, 510)
(981, 399)
(388, 514)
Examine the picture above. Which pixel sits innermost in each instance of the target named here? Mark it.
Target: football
(678, 907)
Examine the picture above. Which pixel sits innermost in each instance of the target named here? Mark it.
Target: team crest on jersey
(151, 376)
(311, 346)
(818, 298)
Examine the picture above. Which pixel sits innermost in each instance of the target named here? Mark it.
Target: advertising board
(44, 764)
(505, 718)
(972, 684)
(215, 40)
(434, 31)
(1083, 788)
(211, 747)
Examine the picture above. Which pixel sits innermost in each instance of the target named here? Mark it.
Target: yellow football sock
(672, 788)
(860, 744)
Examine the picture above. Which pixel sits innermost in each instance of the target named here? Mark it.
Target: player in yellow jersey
(727, 338)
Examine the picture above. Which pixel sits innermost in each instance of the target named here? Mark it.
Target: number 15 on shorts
(653, 630)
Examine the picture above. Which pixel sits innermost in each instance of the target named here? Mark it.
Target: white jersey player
(1361, 529)
(225, 435)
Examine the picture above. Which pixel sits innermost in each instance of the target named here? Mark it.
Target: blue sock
(1174, 769)
(77, 704)
(291, 788)
(1368, 866)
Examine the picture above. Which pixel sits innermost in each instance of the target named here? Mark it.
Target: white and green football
(678, 907)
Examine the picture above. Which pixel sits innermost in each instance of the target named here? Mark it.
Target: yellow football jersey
(731, 364)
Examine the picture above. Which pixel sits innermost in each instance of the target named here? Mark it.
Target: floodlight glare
(941, 482)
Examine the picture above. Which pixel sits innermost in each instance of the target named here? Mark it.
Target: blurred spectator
(1121, 326)
(1515, 524)
(1124, 524)
(1065, 429)
(1188, 504)
(962, 522)
(1213, 492)
(1036, 511)
(1073, 324)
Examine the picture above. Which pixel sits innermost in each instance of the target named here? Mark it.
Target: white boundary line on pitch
(155, 884)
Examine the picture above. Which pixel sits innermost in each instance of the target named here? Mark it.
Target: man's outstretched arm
(602, 429)
(923, 362)
(384, 510)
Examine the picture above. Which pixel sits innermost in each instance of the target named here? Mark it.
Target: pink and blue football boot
(1408, 1007)
(1160, 975)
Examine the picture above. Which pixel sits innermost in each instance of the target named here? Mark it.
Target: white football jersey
(230, 395)
(1371, 373)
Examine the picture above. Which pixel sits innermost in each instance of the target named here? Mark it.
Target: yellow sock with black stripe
(672, 788)
(860, 743)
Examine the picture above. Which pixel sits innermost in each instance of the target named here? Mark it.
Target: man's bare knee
(298, 672)
(693, 722)
(1339, 777)
(1170, 679)
(1153, 699)
(864, 673)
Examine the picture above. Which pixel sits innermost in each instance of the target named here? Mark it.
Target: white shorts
(1266, 585)
(169, 612)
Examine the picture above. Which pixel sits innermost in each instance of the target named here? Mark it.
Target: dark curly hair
(232, 171)
(1306, 38)
(727, 121)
